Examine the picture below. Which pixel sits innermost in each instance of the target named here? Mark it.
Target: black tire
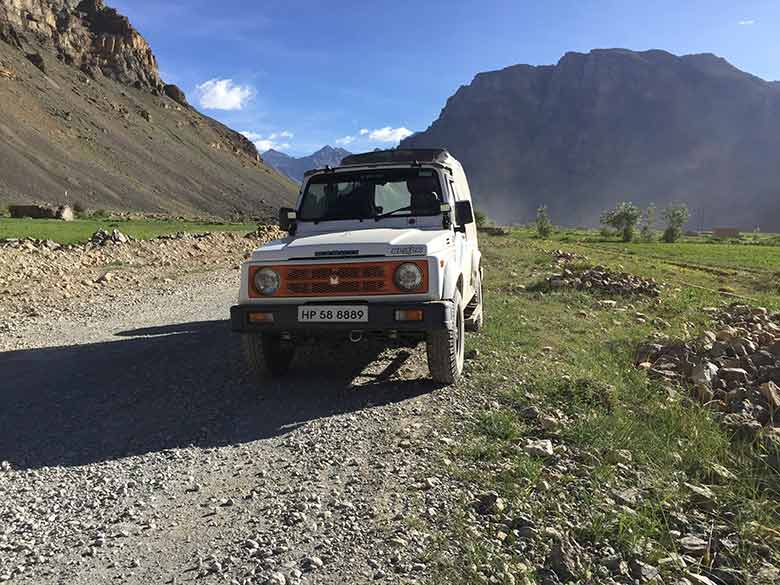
(446, 349)
(477, 320)
(268, 354)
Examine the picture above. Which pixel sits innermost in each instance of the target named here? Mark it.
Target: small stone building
(725, 233)
(63, 212)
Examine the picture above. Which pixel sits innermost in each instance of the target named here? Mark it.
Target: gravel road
(138, 448)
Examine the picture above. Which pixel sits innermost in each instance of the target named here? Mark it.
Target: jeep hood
(346, 244)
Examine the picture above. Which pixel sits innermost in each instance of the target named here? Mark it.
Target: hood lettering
(338, 253)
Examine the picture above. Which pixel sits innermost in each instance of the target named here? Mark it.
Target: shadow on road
(174, 386)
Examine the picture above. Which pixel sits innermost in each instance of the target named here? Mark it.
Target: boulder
(37, 60)
(489, 503)
(176, 94)
(703, 373)
(735, 375)
(771, 392)
(539, 448)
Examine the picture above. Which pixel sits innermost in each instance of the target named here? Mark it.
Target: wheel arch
(453, 281)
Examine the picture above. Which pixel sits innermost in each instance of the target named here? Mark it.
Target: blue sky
(302, 74)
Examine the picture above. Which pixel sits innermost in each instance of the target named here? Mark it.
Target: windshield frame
(391, 172)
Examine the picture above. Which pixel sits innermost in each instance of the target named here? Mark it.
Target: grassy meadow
(561, 353)
(80, 230)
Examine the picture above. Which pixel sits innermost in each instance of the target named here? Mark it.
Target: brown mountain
(83, 110)
(616, 125)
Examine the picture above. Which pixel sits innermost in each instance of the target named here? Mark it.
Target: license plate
(333, 314)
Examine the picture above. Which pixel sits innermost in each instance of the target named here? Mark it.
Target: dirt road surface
(138, 448)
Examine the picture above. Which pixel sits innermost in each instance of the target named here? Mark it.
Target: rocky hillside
(616, 125)
(85, 111)
(295, 167)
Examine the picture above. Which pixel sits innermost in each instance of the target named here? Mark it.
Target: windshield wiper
(389, 213)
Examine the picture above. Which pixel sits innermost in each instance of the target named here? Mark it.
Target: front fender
(452, 272)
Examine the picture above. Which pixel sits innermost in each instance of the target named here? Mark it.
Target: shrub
(676, 216)
(544, 226)
(647, 234)
(480, 218)
(623, 218)
(79, 208)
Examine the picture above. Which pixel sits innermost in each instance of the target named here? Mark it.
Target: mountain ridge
(86, 112)
(616, 124)
(294, 168)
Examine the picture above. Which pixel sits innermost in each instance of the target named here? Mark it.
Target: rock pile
(563, 257)
(603, 279)
(29, 244)
(734, 369)
(43, 277)
(103, 237)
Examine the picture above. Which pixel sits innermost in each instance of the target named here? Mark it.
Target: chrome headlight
(408, 276)
(266, 281)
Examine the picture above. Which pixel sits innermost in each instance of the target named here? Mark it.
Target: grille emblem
(334, 280)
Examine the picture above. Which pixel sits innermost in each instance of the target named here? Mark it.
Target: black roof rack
(398, 155)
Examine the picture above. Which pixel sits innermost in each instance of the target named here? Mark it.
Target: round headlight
(266, 281)
(408, 276)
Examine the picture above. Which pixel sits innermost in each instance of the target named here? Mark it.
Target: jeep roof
(395, 156)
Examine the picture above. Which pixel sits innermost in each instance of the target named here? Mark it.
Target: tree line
(626, 217)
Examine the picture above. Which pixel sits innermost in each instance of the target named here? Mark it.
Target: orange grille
(323, 280)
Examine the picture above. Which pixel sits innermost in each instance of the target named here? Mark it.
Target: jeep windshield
(374, 194)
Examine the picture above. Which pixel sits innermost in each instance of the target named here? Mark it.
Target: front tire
(268, 354)
(446, 349)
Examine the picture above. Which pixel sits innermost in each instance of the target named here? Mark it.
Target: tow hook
(356, 336)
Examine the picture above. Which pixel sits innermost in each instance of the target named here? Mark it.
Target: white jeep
(383, 245)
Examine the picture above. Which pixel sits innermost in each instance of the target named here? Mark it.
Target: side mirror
(287, 218)
(464, 213)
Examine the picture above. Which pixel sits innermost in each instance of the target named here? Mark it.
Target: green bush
(647, 234)
(623, 217)
(676, 216)
(480, 218)
(544, 226)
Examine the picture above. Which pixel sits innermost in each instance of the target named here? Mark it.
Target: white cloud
(387, 134)
(223, 94)
(269, 142)
(282, 134)
(746, 22)
(263, 145)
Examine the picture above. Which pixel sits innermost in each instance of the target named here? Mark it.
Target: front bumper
(437, 315)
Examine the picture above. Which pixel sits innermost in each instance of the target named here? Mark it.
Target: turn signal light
(261, 317)
(409, 315)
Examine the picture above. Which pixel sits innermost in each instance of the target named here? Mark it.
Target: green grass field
(80, 230)
(557, 351)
